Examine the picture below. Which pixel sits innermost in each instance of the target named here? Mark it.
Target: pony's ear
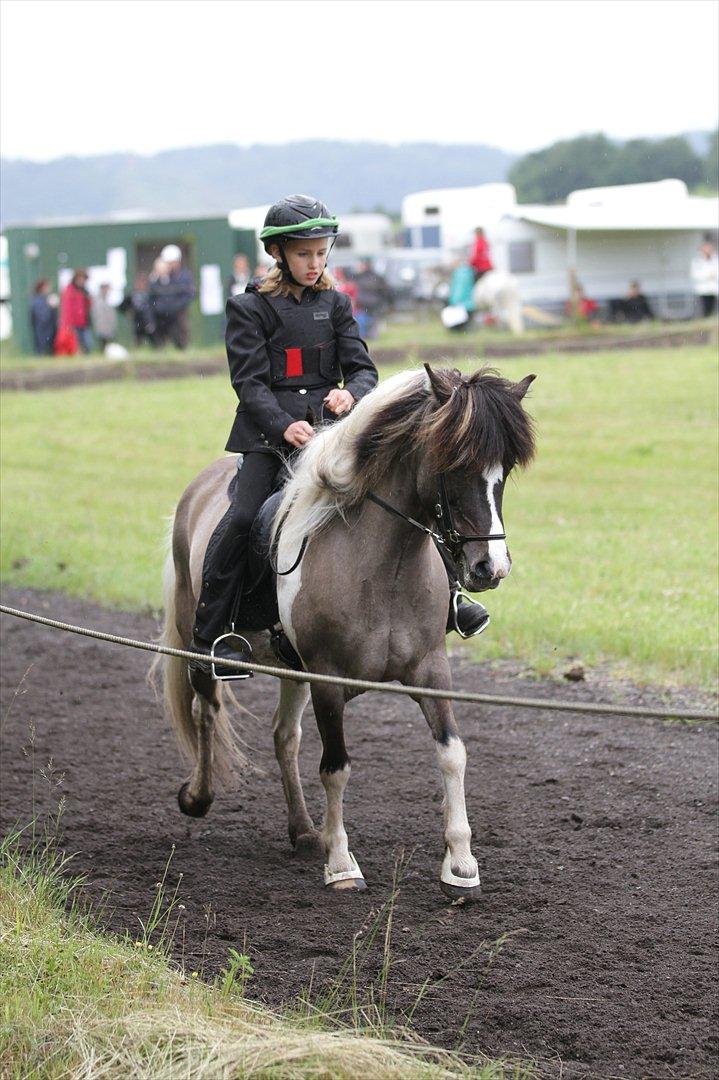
(438, 384)
(520, 388)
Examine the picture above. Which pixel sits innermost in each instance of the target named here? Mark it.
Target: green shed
(115, 250)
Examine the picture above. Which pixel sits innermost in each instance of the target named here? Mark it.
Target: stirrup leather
(236, 674)
(456, 594)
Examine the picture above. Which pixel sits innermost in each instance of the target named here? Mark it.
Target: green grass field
(612, 531)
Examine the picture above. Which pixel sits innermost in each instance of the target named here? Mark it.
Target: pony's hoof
(348, 885)
(191, 806)
(351, 879)
(458, 887)
(467, 893)
(308, 845)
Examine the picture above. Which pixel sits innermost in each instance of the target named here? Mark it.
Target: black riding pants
(225, 562)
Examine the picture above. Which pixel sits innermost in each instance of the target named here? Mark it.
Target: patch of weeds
(164, 906)
(234, 978)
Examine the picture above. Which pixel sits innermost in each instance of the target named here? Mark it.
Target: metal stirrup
(236, 674)
(456, 594)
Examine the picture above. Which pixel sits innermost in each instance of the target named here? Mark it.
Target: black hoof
(191, 806)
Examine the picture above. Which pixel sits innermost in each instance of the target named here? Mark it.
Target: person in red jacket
(480, 259)
(75, 309)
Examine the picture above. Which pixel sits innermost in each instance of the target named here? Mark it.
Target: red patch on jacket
(294, 363)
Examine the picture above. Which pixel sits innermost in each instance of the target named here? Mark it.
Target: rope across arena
(550, 704)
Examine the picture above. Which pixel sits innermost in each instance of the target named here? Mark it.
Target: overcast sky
(83, 77)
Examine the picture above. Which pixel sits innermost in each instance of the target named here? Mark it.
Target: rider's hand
(339, 401)
(299, 433)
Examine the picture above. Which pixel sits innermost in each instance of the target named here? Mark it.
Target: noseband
(446, 534)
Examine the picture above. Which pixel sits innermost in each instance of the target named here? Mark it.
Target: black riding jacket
(285, 356)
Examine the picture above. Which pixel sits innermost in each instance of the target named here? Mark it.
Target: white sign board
(212, 300)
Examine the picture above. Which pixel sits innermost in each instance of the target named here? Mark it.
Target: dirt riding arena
(595, 839)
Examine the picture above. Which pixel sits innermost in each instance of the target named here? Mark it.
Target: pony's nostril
(483, 569)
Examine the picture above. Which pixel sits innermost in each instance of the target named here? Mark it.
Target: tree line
(548, 175)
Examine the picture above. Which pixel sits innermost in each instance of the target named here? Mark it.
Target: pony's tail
(178, 694)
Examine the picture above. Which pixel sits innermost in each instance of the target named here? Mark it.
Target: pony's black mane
(458, 422)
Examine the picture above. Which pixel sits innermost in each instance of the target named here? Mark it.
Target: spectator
(705, 274)
(240, 278)
(172, 290)
(373, 296)
(75, 304)
(460, 301)
(43, 318)
(137, 304)
(480, 259)
(581, 308)
(104, 317)
(633, 307)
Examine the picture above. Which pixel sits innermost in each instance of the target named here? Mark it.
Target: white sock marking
(457, 833)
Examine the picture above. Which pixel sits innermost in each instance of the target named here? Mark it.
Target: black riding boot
(219, 598)
(225, 563)
(467, 617)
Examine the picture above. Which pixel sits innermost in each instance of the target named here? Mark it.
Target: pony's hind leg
(459, 877)
(287, 730)
(196, 794)
(341, 869)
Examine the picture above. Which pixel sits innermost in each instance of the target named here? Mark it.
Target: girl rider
(291, 340)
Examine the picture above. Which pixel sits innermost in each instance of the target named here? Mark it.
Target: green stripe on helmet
(311, 223)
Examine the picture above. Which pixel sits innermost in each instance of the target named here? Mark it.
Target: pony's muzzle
(488, 572)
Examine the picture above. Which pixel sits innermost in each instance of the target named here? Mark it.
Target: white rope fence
(383, 688)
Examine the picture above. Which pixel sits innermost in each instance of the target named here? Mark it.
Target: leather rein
(446, 536)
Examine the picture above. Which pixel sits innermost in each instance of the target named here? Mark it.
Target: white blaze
(497, 554)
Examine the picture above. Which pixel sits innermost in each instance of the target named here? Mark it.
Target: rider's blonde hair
(276, 284)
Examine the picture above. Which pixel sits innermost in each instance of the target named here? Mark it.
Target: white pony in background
(498, 292)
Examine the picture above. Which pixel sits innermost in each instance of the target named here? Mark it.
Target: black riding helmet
(296, 217)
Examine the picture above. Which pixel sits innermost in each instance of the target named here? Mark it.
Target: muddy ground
(595, 836)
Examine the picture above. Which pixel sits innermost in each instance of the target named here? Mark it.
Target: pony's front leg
(287, 729)
(459, 877)
(341, 869)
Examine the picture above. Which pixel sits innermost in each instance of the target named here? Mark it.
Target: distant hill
(348, 176)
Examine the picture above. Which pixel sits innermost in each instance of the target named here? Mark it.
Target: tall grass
(613, 530)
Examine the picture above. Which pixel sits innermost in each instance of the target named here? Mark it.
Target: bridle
(446, 535)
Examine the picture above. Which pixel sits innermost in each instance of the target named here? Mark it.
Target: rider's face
(307, 259)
